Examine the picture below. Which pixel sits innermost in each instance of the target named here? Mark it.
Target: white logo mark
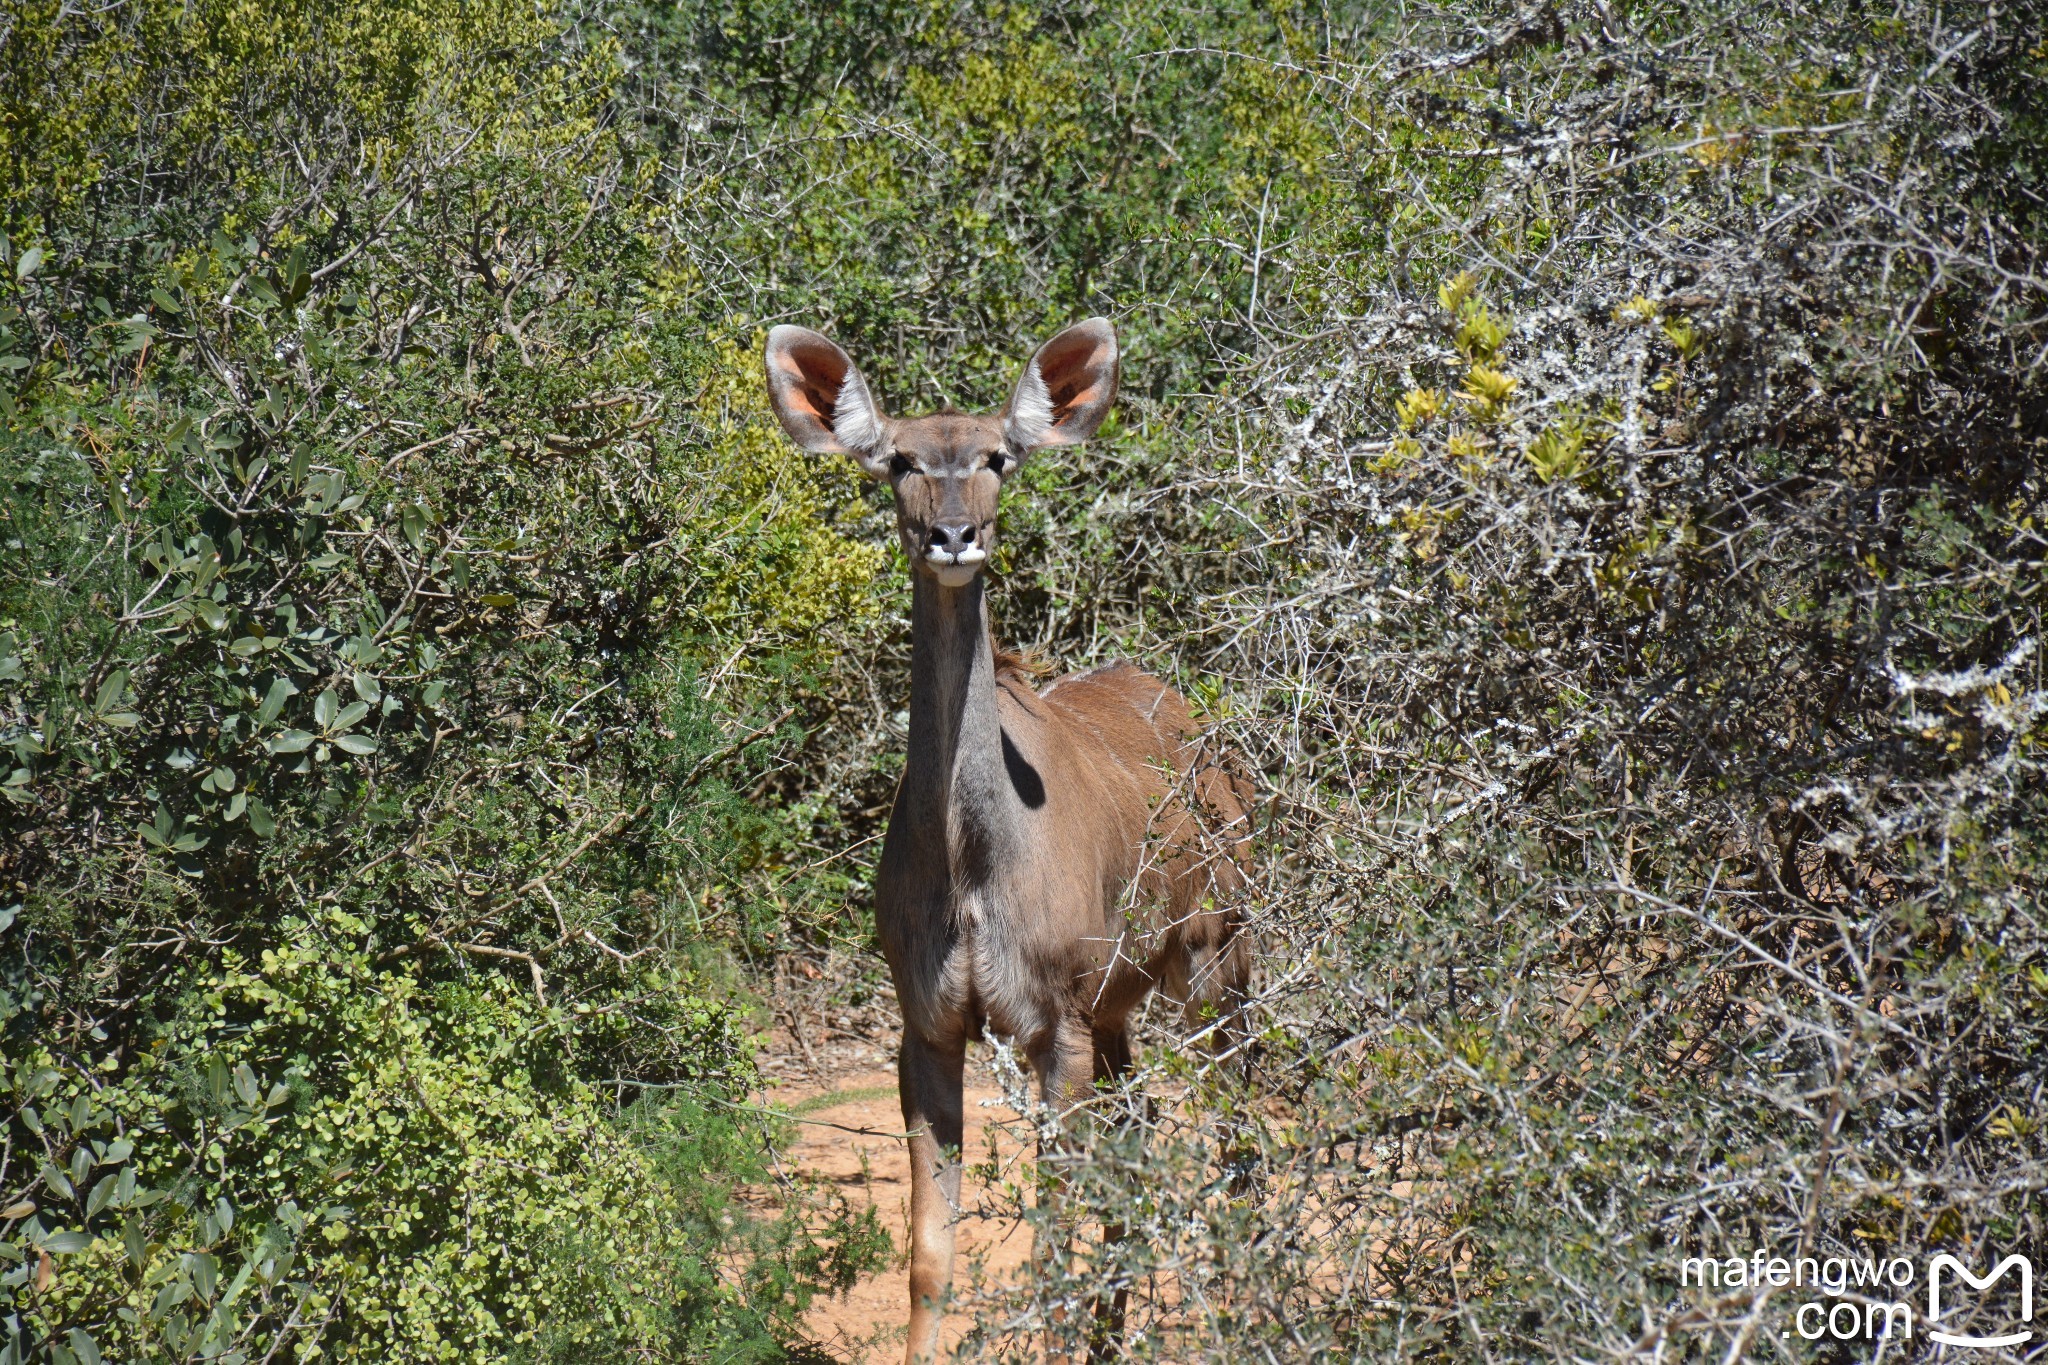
(1939, 1263)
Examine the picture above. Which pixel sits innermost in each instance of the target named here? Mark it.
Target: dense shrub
(1651, 665)
(371, 524)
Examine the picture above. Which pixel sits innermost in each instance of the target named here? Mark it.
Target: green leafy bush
(1649, 665)
(369, 824)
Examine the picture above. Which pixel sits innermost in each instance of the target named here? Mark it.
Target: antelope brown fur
(1053, 854)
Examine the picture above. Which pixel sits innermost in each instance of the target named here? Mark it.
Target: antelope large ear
(822, 401)
(1066, 390)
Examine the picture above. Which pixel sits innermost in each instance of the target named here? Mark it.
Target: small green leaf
(367, 687)
(66, 1243)
(110, 692)
(290, 742)
(356, 744)
(205, 1272)
(260, 819)
(28, 262)
(280, 692)
(234, 1291)
(350, 714)
(169, 1297)
(324, 707)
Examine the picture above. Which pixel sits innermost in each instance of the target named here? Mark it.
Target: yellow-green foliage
(1018, 99)
(802, 570)
(438, 502)
(62, 104)
(1418, 406)
(421, 1109)
(1453, 292)
(1480, 334)
(1487, 392)
(1278, 132)
(1684, 337)
(83, 89)
(1557, 453)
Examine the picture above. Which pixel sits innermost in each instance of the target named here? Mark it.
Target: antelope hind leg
(1213, 987)
(1112, 1060)
(1065, 1065)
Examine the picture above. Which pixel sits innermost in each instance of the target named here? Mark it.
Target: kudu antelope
(1053, 854)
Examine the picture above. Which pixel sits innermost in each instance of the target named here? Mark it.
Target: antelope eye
(900, 465)
(998, 462)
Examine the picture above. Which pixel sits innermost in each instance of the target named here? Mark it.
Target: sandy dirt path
(865, 1326)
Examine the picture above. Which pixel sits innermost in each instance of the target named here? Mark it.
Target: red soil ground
(866, 1325)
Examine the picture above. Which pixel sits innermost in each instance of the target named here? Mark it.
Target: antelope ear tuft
(821, 400)
(1066, 390)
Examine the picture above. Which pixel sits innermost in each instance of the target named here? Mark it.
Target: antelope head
(947, 470)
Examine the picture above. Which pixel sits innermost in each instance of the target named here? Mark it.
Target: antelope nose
(954, 538)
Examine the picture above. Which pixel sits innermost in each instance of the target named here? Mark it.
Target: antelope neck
(954, 776)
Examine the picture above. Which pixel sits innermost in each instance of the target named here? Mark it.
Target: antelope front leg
(928, 1081)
